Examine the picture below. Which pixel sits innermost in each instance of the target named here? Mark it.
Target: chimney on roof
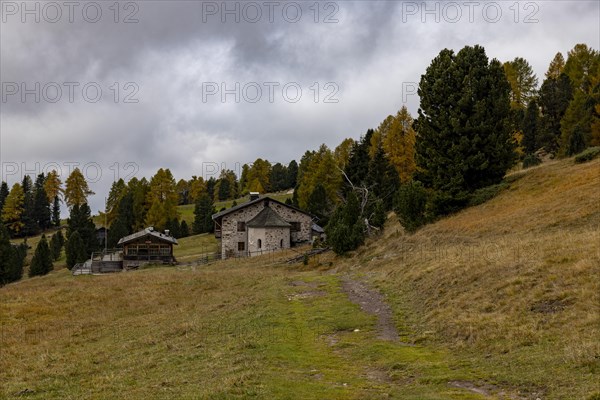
(254, 195)
(167, 232)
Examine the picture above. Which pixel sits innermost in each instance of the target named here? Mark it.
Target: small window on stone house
(241, 246)
(241, 226)
(259, 244)
(295, 226)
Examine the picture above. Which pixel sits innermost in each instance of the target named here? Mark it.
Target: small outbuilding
(147, 247)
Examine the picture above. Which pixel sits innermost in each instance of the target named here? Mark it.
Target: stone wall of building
(290, 215)
(271, 239)
(231, 237)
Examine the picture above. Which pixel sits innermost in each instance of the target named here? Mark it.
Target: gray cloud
(372, 54)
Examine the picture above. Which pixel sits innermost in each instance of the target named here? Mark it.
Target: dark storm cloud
(374, 55)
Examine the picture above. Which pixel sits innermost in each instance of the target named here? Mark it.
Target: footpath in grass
(321, 345)
(221, 332)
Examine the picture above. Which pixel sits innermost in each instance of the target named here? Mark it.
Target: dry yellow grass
(513, 284)
(505, 295)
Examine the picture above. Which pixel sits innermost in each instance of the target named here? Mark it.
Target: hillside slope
(500, 301)
(512, 285)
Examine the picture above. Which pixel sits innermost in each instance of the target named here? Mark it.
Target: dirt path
(372, 302)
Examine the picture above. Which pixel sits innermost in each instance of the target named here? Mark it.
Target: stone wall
(230, 236)
(271, 239)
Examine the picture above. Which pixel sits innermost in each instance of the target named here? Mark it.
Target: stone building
(261, 225)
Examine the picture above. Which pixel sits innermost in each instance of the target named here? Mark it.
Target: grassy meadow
(500, 301)
(186, 212)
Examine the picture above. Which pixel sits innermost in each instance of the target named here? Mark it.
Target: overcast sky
(161, 68)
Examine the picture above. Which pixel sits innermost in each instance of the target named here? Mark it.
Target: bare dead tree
(364, 194)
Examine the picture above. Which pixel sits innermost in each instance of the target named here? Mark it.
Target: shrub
(531, 160)
(410, 205)
(587, 155)
(346, 229)
(443, 203)
(41, 263)
(482, 195)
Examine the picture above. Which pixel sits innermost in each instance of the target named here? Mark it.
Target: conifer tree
(203, 211)
(292, 174)
(184, 230)
(56, 211)
(117, 230)
(346, 229)
(30, 226)
(56, 244)
(41, 263)
(13, 209)
(555, 96)
(41, 205)
(11, 258)
(522, 80)
(162, 198)
(383, 178)
(80, 221)
(530, 127)
(3, 194)
(318, 204)
(75, 250)
(399, 144)
(76, 189)
(409, 204)
(464, 140)
(583, 69)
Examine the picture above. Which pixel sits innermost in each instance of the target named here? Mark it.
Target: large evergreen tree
(279, 177)
(75, 250)
(41, 263)
(318, 205)
(3, 194)
(555, 95)
(11, 258)
(203, 211)
(530, 127)
(292, 174)
(56, 244)
(80, 221)
(30, 226)
(346, 229)
(184, 229)
(56, 211)
(383, 178)
(139, 192)
(357, 169)
(464, 140)
(41, 205)
(117, 230)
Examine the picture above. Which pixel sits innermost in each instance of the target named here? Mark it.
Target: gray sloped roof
(317, 228)
(267, 218)
(248, 203)
(148, 232)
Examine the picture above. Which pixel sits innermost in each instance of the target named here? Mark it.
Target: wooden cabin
(147, 247)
